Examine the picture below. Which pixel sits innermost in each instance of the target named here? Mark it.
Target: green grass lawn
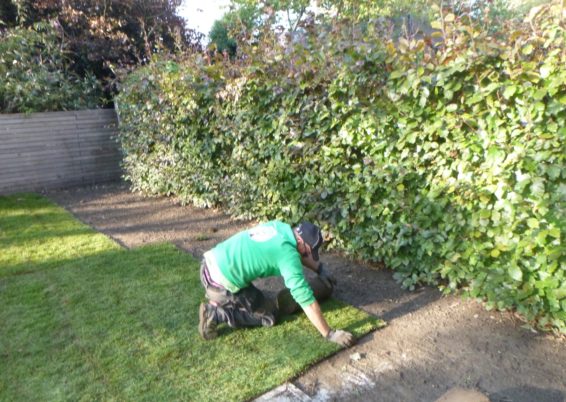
(83, 319)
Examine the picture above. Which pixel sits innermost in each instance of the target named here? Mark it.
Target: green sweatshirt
(269, 249)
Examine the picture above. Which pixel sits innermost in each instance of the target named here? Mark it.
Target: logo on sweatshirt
(262, 233)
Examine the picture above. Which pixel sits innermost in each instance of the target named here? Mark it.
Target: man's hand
(328, 280)
(342, 338)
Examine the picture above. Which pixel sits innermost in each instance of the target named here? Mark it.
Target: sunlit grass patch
(35, 234)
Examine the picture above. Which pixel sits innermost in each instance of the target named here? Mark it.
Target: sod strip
(98, 322)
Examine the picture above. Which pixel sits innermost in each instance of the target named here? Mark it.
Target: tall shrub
(105, 38)
(35, 74)
(444, 159)
(482, 122)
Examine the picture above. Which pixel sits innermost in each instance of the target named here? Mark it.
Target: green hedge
(444, 159)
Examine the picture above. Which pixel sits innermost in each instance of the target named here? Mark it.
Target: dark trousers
(247, 308)
(250, 307)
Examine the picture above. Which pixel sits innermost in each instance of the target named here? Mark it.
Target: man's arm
(317, 268)
(310, 263)
(314, 314)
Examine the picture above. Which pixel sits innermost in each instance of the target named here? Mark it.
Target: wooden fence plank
(56, 179)
(58, 183)
(30, 167)
(37, 128)
(57, 139)
(58, 116)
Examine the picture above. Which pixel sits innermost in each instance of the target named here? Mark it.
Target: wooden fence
(53, 150)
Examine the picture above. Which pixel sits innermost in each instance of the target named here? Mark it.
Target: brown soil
(432, 343)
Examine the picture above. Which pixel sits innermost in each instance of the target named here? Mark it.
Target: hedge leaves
(443, 158)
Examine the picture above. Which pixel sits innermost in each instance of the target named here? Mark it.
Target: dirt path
(431, 344)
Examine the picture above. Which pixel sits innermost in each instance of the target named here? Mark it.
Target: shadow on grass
(332, 308)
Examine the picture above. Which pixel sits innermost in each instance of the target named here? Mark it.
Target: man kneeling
(270, 249)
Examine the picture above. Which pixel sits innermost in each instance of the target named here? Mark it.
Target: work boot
(267, 320)
(207, 323)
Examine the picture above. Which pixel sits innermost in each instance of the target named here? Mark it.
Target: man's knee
(286, 304)
(219, 297)
(320, 289)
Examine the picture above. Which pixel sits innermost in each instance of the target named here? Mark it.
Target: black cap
(311, 235)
